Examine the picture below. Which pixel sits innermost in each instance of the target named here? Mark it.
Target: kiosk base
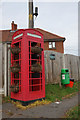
(25, 103)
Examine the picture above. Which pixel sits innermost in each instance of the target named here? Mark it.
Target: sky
(60, 18)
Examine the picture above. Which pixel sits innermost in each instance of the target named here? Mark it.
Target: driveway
(52, 110)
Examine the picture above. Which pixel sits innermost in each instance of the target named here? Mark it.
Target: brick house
(51, 42)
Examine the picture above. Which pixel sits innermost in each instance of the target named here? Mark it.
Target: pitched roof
(6, 35)
(48, 36)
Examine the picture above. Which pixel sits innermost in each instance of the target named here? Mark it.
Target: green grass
(55, 93)
(73, 113)
(6, 99)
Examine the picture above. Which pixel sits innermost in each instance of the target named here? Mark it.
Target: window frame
(53, 46)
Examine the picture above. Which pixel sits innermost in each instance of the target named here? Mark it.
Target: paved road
(52, 110)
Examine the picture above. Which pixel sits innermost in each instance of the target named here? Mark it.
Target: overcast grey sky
(60, 18)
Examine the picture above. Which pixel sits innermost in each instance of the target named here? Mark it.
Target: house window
(52, 45)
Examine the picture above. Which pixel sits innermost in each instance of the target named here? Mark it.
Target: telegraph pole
(31, 16)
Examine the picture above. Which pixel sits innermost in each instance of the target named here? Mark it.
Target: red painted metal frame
(29, 88)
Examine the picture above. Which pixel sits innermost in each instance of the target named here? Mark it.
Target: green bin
(65, 79)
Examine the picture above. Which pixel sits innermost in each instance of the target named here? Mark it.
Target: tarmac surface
(52, 110)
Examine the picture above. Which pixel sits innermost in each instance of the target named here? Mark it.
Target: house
(51, 42)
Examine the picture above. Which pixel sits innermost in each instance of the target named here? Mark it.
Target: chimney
(13, 26)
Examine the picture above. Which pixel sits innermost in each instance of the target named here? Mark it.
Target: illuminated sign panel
(33, 35)
(18, 36)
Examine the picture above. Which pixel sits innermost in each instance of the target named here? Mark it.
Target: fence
(53, 67)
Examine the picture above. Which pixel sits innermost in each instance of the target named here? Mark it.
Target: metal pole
(31, 16)
(5, 69)
(9, 63)
(52, 69)
(1, 90)
(63, 61)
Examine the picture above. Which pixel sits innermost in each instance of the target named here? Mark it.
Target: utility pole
(31, 16)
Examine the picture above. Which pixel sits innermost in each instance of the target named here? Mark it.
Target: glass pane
(53, 44)
(50, 46)
(49, 43)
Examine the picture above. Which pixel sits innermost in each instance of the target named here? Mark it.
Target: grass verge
(6, 99)
(73, 113)
(55, 93)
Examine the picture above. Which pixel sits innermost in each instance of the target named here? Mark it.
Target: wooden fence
(53, 67)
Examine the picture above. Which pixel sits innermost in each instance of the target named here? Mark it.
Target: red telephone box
(27, 66)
